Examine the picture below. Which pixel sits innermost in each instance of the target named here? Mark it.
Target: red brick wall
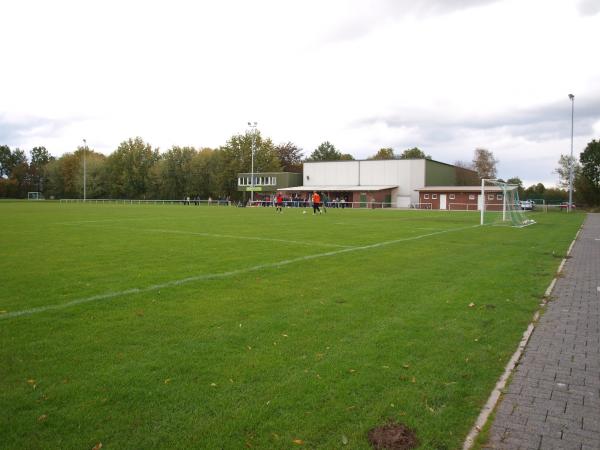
(461, 200)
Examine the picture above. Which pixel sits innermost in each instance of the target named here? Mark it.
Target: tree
(563, 170)
(588, 183)
(484, 163)
(175, 170)
(384, 153)
(326, 152)
(590, 162)
(290, 157)
(414, 153)
(519, 183)
(130, 169)
(39, 159)
(5, 161)
(236, 157)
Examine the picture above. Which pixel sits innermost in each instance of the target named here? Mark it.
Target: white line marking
(83, 222)
(213, 276)
(226, 236)
(250, 238)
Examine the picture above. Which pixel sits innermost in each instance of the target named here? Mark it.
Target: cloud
(542, 122)
(30, 130)
(588, 7)
(363, 17)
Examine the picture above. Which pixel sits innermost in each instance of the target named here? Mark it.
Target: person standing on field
(279, 203)
(316, 199)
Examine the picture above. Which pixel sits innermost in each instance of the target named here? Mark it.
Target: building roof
(337, 188)
(459, 189)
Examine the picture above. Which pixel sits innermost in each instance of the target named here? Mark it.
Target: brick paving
(553, 401)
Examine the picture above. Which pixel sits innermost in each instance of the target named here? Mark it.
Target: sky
(446, 76)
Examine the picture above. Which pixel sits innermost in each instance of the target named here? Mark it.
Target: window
(426, 196)
(499, 197)
(433, 196)
(490, 196)
(274, 181)
(471, 196)
(452, 197)
(239, 181)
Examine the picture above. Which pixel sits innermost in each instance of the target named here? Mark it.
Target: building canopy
(337, 188)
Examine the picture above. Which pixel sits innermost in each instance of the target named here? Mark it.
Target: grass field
(227, 328)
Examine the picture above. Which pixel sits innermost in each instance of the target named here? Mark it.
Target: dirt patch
(393, 436)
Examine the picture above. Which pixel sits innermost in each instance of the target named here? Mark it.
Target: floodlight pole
(84, 171)
(572, 97)
(253, 126)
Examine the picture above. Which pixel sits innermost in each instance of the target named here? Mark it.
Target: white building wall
(407, 174)
(334, 173)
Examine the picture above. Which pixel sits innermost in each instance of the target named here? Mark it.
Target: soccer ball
(303, 212)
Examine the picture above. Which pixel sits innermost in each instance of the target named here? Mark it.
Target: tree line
(136, 170)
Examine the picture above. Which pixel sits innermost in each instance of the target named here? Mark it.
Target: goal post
(500, 205)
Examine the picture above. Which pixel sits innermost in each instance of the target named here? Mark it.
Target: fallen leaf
(471, 305)
(42, 418)
(406, 366)
(98, 446)
(344, 439)
(213, 384)
(31, 381)
(284, 335)
(167, 381)
(298, 441)
(413, 380)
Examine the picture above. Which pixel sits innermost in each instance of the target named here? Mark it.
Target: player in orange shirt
(316, 199)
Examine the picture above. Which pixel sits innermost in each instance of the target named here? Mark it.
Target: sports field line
(194, 233)
(83, 222)
(215, 276)
(232, 236)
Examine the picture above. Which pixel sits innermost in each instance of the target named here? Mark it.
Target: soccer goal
(35, 196)
(499, 205)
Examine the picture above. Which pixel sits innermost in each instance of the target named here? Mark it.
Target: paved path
(553, 401)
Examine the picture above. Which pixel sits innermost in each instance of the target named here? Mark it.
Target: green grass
(254, 343)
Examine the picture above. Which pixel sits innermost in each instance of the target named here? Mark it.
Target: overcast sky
(446, 76)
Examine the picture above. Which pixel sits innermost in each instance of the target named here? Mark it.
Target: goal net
(500, 205)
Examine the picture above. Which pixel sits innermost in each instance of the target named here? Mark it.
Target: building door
(442, 201)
